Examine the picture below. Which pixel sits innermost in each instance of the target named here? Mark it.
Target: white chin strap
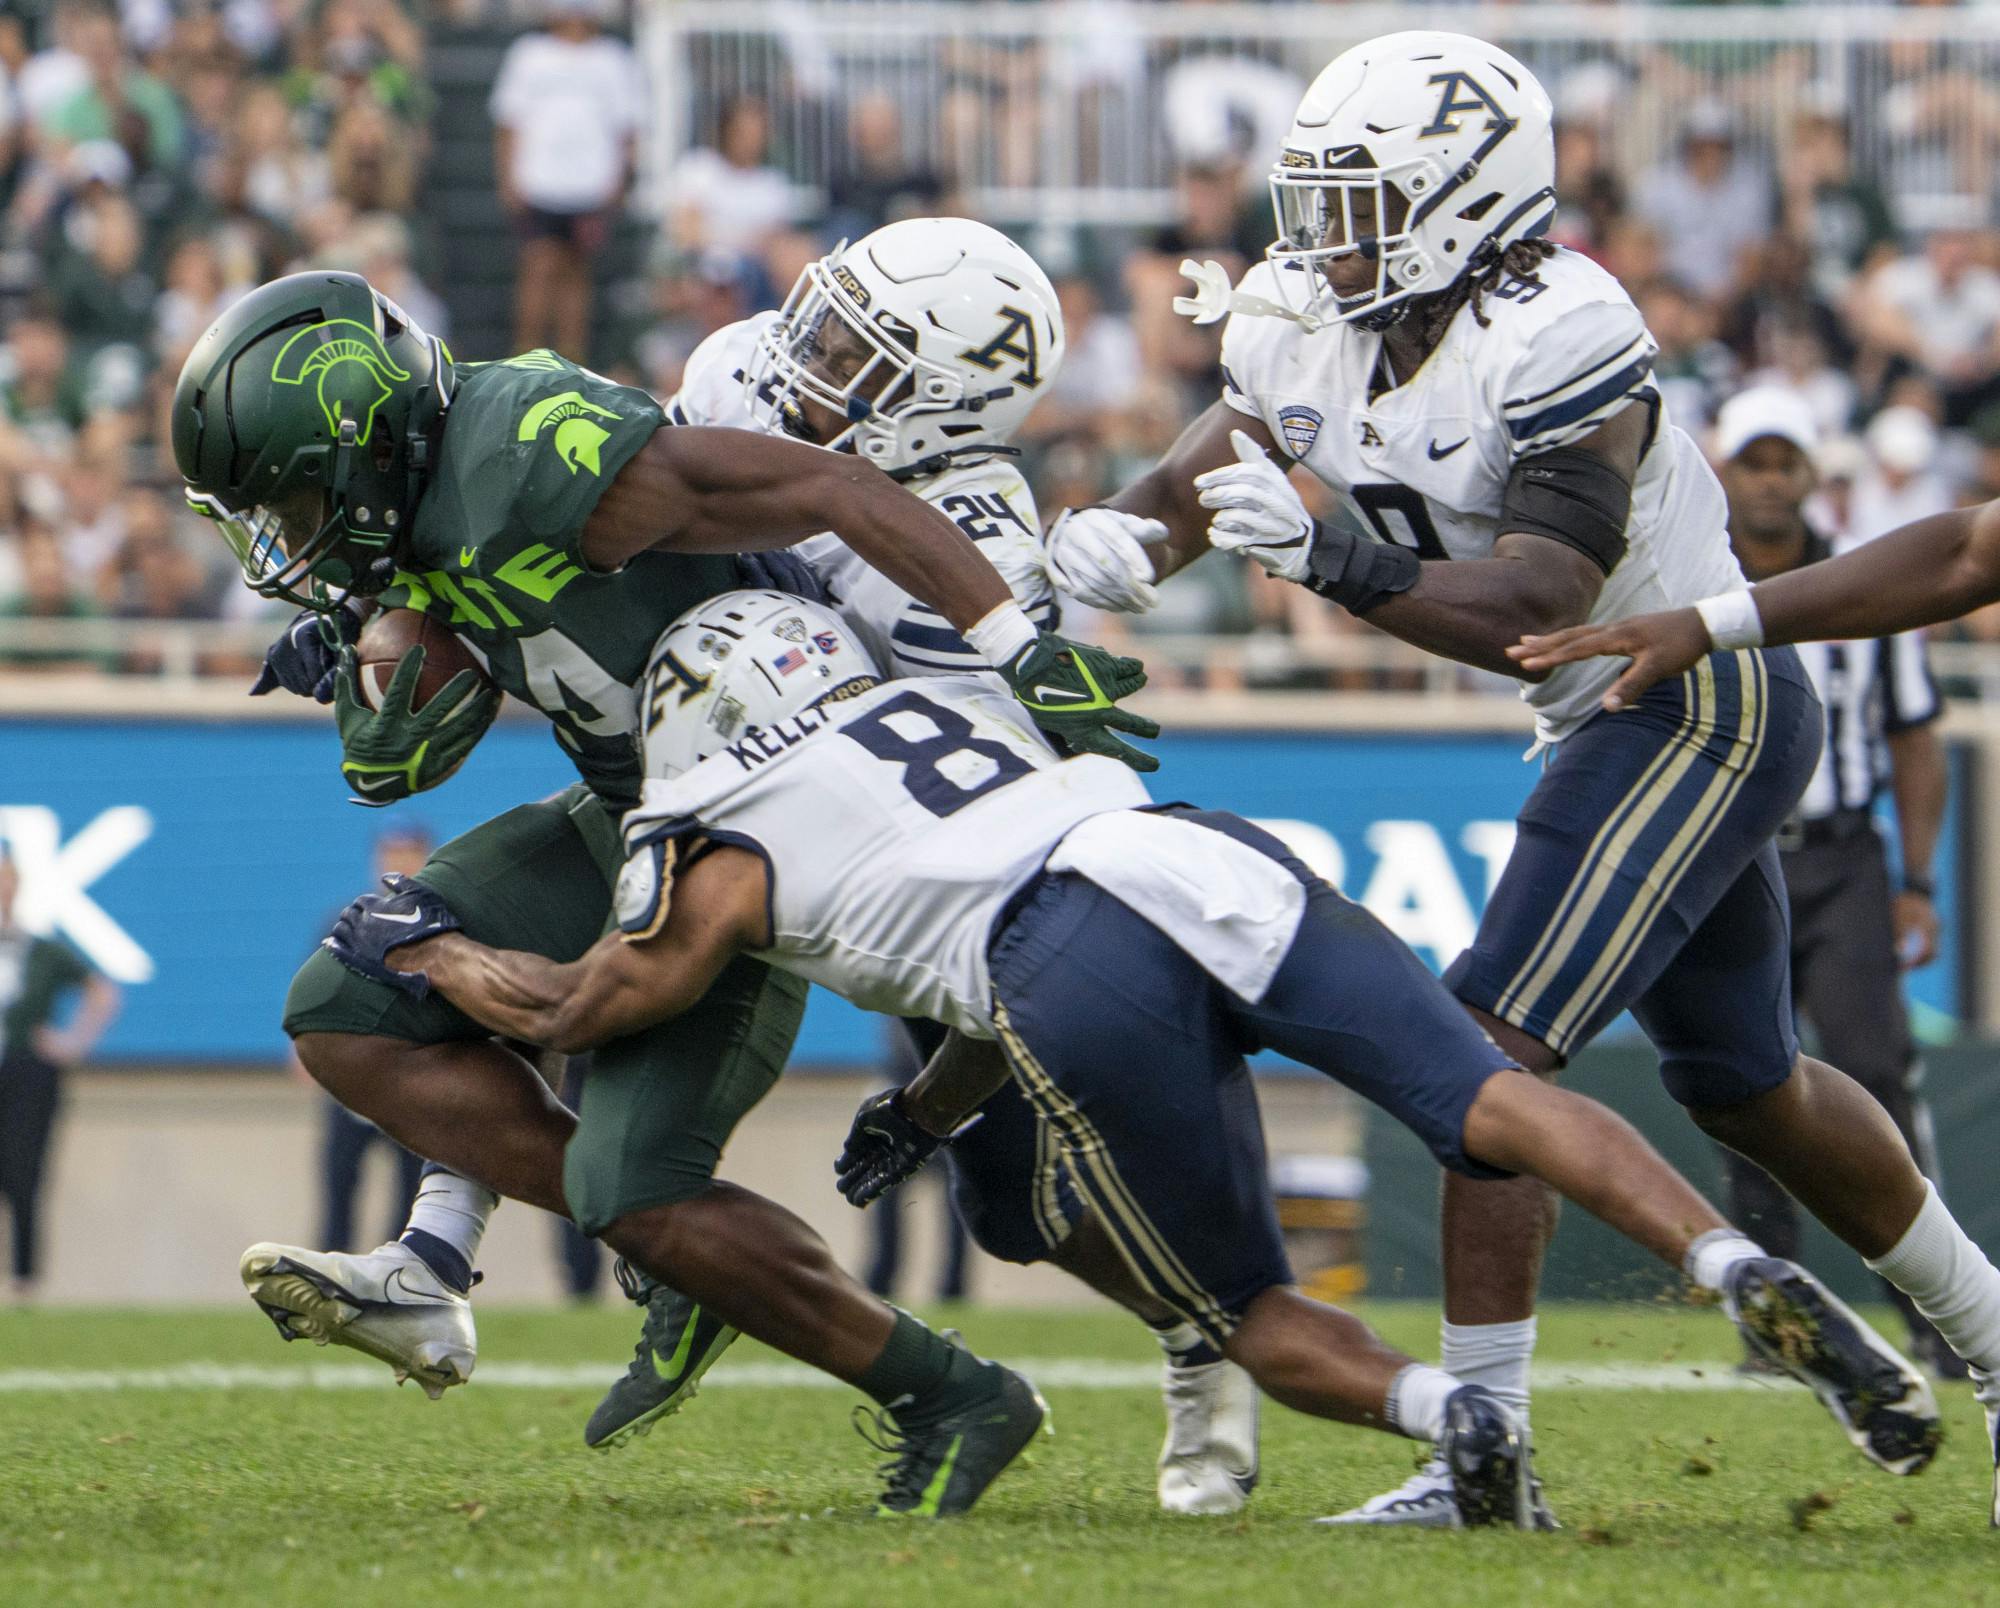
(1215, 298)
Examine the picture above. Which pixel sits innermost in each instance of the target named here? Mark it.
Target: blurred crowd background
(1803, 195)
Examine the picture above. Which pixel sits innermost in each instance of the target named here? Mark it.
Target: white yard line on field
(1055, 1373)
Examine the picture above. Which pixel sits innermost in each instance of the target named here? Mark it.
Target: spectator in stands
(1840, 214)
(1901, 481)
(49, 591)
(40, 393)
(874, 181)
(1708, 207)
(270, 169)
(1100, 375)
(104, 294)
(371, 159)
(37, 975)
(1693, 369)
(730, 198)
(1219, 217)
(568, 107)
(119, 101)
(1936, 312)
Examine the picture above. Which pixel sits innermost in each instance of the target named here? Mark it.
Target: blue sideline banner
(198, 862)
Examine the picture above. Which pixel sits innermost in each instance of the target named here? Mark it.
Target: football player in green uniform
(549, 517)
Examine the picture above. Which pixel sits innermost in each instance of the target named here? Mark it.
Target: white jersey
(985, 497)
(1426, 464)
(895, 827)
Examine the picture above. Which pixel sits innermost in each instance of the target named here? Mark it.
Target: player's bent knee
(1721, 1096)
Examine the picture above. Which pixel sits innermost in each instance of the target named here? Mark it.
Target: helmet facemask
(301, 547)
(1346, 213)
(844, 381)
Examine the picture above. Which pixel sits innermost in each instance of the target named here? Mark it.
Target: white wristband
(1003, 635)
(1732, 619)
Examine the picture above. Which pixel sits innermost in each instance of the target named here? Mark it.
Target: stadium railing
(1118, 91)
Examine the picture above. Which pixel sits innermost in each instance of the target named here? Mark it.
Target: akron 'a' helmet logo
(349, 367)
(578, 442)
(1016, 339)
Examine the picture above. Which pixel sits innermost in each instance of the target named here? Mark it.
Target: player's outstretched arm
(618, 986)
(702, 490)
(895, 1133)
(693, 490)
(1109, 555)
(1929, 570)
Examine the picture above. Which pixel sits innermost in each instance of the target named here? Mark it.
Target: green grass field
(190, 1458)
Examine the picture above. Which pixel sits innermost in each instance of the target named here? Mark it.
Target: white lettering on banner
(54, 875)
(1315, 845)
(1493, 842)
(1415, 891)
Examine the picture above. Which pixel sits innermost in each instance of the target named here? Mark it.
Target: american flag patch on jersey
(790, 660)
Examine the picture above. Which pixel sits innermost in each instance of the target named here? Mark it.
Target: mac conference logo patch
(1300, 425)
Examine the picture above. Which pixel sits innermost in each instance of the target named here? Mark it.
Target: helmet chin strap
(937, 462)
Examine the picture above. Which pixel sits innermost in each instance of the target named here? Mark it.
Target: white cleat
(386, 1303)
(1209, 1462)
(1423, 1501)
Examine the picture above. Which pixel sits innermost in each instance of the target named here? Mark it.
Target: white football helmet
(738, 662)
(925, 337)
(1426, 153)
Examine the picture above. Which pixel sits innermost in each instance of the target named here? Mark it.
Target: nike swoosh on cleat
(677, 1364)
(1436, 452)
(393, 1285)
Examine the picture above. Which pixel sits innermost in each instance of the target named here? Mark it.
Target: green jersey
(529, 445)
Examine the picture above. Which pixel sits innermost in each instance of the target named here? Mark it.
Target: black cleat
(943, 1467)
(1492, 1476)
(679, 1342)
(1880, 1401)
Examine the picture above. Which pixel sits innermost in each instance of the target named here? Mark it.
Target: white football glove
(1098, 556)
(1257, 511)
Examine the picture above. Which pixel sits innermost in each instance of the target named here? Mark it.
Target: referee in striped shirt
(1855, 930)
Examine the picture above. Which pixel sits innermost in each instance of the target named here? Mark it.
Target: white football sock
(1416, 1400)
(1495, 1355)
(1709, 1258)
(1953, 1285)
(455, 1209)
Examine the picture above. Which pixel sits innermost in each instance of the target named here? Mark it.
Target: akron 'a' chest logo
(1015, 340)
(577, 439)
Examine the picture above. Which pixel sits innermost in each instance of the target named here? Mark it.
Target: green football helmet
(305, 424)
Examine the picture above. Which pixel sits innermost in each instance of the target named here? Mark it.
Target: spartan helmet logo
(351, 367)
(578, 441)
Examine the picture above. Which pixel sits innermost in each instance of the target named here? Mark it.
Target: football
(391, 633)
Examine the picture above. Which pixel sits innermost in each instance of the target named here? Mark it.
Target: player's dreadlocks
(1522, 260)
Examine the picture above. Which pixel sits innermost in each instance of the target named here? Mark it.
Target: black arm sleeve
(1573, 497)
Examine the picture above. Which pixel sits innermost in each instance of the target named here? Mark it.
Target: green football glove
(392, 753)
(1073, 689)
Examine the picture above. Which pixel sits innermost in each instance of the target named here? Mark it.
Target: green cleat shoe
(945, 1466)
(680, 1342)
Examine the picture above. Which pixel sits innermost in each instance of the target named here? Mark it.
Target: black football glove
(884, 1148)
(304, 659)
(1072, 690)
(379, 922)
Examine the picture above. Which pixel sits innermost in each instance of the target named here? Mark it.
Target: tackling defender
(1479, 405)
(915, 847)
(550, 519)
